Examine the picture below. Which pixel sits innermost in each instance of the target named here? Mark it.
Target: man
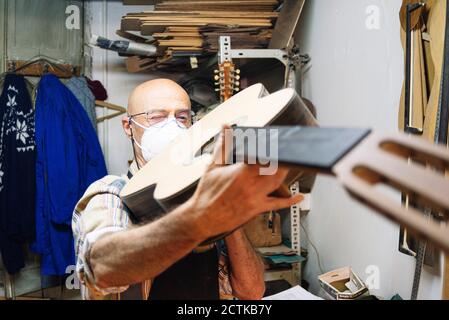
(165, 255)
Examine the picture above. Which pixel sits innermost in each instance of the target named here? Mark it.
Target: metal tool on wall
(413, 75)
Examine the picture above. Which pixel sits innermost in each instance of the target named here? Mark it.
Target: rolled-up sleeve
(99, 212)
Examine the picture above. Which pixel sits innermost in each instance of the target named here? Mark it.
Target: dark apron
(195, 277)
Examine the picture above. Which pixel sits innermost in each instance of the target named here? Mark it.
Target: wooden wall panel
(39, 27)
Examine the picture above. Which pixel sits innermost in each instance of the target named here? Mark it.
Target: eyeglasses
(155, 117)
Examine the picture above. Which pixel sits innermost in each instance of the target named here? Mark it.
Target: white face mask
(156, 138)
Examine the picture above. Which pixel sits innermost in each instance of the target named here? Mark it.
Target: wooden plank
(130, 24)
(164, 35)
(223, 22)
(131, 36)
(242, 5)
(188, 18)
(247, 14)
(220, 2)
(204, 19)
(287, 23)
(223, 1)
(157, 27)
(215, 7)
(223, 8)
(148, 30)
(182, 29)
(184, 49)
(181, 43)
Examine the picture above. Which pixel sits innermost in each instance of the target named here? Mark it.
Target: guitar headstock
(227, 80)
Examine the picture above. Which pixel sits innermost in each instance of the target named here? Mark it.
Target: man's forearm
(144, 252)
(247, 269)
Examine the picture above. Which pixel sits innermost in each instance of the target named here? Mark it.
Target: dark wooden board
(286, 23)
(312, 147)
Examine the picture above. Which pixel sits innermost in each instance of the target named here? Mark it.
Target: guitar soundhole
(207, 147)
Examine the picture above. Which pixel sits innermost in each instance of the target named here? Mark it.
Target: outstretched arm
(247, 268)
(226, 198)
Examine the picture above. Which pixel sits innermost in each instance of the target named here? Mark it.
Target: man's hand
(227, 197)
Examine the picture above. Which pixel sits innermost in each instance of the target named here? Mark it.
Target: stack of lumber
(186, 27)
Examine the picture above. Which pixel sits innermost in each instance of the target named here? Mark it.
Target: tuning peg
(237, 77)
(217, 77)
(237, 71)
(237, 83)
(236, 89)
(216, 71)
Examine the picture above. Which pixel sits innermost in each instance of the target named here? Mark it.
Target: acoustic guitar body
(171, 178)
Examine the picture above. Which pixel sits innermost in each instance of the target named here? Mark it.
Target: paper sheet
(295, 293)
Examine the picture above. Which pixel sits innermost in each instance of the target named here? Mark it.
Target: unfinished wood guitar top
(180, 166)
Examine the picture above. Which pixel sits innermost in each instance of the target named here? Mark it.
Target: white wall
(355, 80)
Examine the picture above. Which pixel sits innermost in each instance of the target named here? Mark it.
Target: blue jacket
(69, 159)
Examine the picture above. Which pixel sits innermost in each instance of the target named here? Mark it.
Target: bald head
(159, 94)
(155, 95)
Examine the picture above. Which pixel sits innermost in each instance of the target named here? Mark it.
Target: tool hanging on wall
(413, 101)
(414, 56)
(124, 47)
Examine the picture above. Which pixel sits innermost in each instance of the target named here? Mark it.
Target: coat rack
(41, 65)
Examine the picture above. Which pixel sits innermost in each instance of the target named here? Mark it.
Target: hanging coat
(79, 87)
(69, 159)
(17, 172)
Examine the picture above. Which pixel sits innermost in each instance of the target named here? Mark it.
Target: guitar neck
(312, 148)
(361, 160)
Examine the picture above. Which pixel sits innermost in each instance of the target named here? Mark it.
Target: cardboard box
(343, 284)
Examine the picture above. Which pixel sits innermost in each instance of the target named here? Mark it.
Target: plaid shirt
(99, 212)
